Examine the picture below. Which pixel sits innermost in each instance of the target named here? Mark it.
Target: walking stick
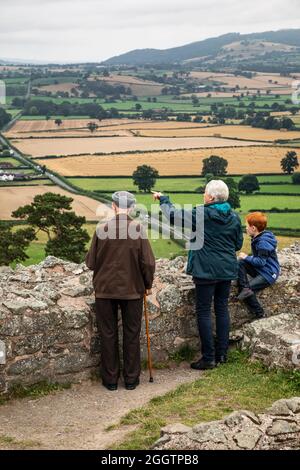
(148, 339)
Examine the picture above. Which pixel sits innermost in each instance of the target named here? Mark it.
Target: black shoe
(221, 360)
(110, 387)
(245, 293)
(260, 315)
(133, 385)
(203, 365)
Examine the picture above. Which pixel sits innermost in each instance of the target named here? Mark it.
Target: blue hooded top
(264, 257)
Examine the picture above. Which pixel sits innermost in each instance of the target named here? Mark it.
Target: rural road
(77, 418)
(57, 181)
(156, 224)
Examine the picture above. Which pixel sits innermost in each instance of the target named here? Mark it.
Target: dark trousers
(256, 283)
(107, 322)
(205, 293)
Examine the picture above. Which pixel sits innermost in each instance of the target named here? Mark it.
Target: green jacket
(221, 235)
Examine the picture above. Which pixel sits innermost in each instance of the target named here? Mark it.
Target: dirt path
(78, 418)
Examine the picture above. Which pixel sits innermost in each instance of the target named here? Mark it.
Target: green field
(15, 81)
(173, 104)
(10, 160)
(27, 183)
(161, 248)
(115, 184)
(177, 184)
(13, 111)
(53, 80)
(268, 202)
(280, 188)
(286, 220)
(247, 202)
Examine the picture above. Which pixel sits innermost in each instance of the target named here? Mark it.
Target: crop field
(11, 198)
(69, 146)
(59, 87)
(175, 163)
(260, 81)
(41, 125)
(233, 132)
(139, 87)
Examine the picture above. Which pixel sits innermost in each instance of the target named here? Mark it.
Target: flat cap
(123, 199)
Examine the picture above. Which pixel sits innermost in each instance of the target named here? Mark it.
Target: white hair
(218, 190)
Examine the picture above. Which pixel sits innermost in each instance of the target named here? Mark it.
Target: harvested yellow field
(59, 87)
(74, 133)
(44, 125)
(138, 86)
(239, 132)
(77, 128)
(259, 81)
(11, 198)
(180, 162)
(69, 146)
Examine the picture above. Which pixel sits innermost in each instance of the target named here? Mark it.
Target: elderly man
(123, 263)
(213, 265)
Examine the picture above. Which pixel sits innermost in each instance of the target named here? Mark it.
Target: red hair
(258, 220)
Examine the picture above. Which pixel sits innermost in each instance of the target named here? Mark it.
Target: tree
(92, 126)
(290, 162)
(58, 122)
(145, 177)
(209, 177)
(249, 184)
(13, 245)
(296, 178)
(234, 197)
(4, 117)
(215, 165)
(138, 106)
(33, 111)
(51, 213)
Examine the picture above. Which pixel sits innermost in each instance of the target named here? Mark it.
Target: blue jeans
(205, 293)
(256, 283)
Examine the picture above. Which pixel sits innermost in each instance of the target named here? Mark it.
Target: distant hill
(214, 49)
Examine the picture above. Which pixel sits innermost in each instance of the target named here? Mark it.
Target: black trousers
(205, 294)
(107, 322)
(256, 283)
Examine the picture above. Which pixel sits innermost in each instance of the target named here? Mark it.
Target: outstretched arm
(179, 217)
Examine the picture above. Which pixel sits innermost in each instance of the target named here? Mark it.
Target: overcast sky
(94, 30)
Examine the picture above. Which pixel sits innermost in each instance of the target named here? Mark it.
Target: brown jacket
(123, 267)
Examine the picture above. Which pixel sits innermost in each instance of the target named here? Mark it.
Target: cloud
(91, 30)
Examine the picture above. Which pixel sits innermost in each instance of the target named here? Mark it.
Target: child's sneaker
(245, 293)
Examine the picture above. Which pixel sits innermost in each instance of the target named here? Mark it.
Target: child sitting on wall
(262, 265)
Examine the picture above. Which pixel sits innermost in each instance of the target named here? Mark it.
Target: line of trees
(49, 108)
(270, 122)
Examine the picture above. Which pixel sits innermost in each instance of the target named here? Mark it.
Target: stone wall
(277, 429)
(47, 318)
